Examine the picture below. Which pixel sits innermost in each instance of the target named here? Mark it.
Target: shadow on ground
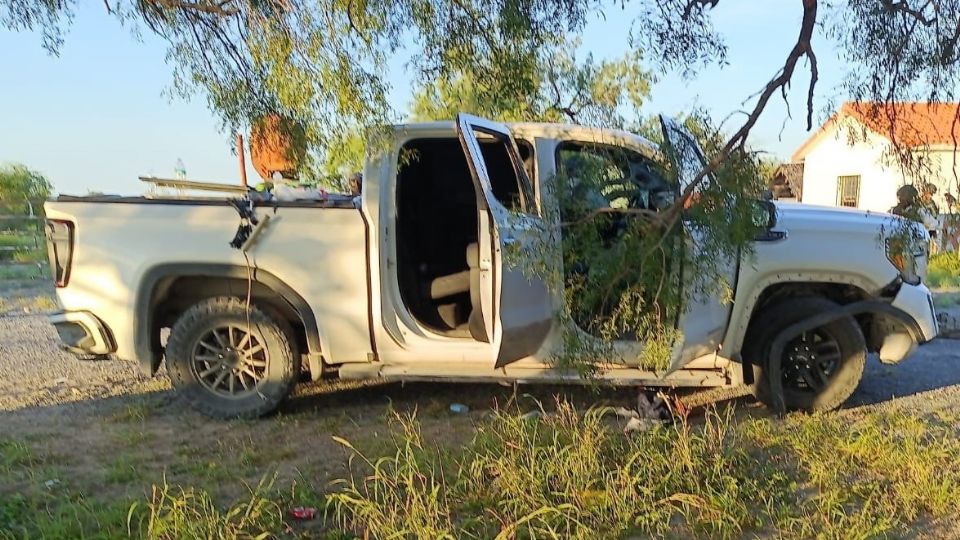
(933, 366)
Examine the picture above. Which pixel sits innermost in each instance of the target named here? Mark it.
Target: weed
(943, 271)
(194, 464)
(565, 474)
(123, 470)
(15, 455)
(946, 299)
(177, 512)
(24, 272)
(405, 496)
(16, 239)
(60, 515)
(135, 412)
(873, 476)
(570, 475)
(33, 304)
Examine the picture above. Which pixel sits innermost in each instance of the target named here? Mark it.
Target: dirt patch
(102, 427)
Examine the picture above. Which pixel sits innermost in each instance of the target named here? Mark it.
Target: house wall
(945, 175)
(833, 156)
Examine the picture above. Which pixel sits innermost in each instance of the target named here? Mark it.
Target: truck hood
(809, 216)
(824, 227)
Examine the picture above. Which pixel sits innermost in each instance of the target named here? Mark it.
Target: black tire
(206, 370)
(809, 385)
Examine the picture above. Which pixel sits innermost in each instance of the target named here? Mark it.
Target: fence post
(26, 231)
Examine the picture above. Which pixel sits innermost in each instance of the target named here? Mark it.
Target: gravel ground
(38, 373)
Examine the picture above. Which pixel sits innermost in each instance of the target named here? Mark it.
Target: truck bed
(125, 246)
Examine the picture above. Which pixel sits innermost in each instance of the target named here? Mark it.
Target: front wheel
(228, 362)
(820, 368)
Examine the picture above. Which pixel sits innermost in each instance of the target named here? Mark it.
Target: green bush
(944, 270)
(15, 240)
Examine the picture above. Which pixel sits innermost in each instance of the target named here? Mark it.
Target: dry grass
(28, 304)
(148, 472)
(570, 475)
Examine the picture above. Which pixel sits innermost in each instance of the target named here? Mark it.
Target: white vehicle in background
(412, 285)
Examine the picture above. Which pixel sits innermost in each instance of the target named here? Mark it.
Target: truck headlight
(903, 254)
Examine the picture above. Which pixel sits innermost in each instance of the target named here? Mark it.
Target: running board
(460, 372)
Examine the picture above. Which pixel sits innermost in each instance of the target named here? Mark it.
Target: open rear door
(515, 306)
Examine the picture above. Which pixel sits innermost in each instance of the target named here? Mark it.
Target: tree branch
(903, 7)
(697, 4)
(800, 49)
(213, 8)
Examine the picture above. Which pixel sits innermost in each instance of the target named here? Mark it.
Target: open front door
(704, 319)
(515, 313)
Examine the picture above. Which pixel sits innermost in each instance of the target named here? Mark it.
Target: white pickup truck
(410, 282)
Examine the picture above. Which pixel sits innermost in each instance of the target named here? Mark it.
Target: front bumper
(912, 321)
(81, 332)
(917, 302)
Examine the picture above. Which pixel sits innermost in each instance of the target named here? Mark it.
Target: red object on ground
(303, 513)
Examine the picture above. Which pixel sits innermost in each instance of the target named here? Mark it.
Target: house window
(848, 191)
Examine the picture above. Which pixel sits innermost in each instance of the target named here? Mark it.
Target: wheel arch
(840, 289)
(169, 289)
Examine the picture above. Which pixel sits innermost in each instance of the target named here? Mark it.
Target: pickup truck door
(515, 304)
(705, 318)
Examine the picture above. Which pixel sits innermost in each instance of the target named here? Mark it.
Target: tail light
(60, 250)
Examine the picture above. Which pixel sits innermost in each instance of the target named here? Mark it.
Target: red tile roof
(909, 123)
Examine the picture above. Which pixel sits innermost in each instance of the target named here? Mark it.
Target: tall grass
(571, 475)
(406, 495)
(943, 271)
(566, 474)
(177, 512)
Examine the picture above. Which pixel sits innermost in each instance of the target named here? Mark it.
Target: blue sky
(96, 117)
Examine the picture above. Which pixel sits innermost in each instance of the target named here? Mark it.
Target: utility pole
(241, 154)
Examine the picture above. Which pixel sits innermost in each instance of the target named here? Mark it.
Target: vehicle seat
(461, 282)
(450, 285)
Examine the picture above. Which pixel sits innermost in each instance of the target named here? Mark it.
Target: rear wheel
(820, 368)
(228, 363)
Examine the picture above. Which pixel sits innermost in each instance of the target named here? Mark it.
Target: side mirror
(764, 215)
(765, 219)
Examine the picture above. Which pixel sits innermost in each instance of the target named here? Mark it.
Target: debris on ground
(532, 415)
(638, 425)
(459, 408)
(623, 412)
(52, 483)
(653, 408)
(303, 513)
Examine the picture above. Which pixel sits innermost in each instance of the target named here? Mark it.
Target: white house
(849, 161)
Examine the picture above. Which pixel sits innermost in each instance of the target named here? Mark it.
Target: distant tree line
(22, 190)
